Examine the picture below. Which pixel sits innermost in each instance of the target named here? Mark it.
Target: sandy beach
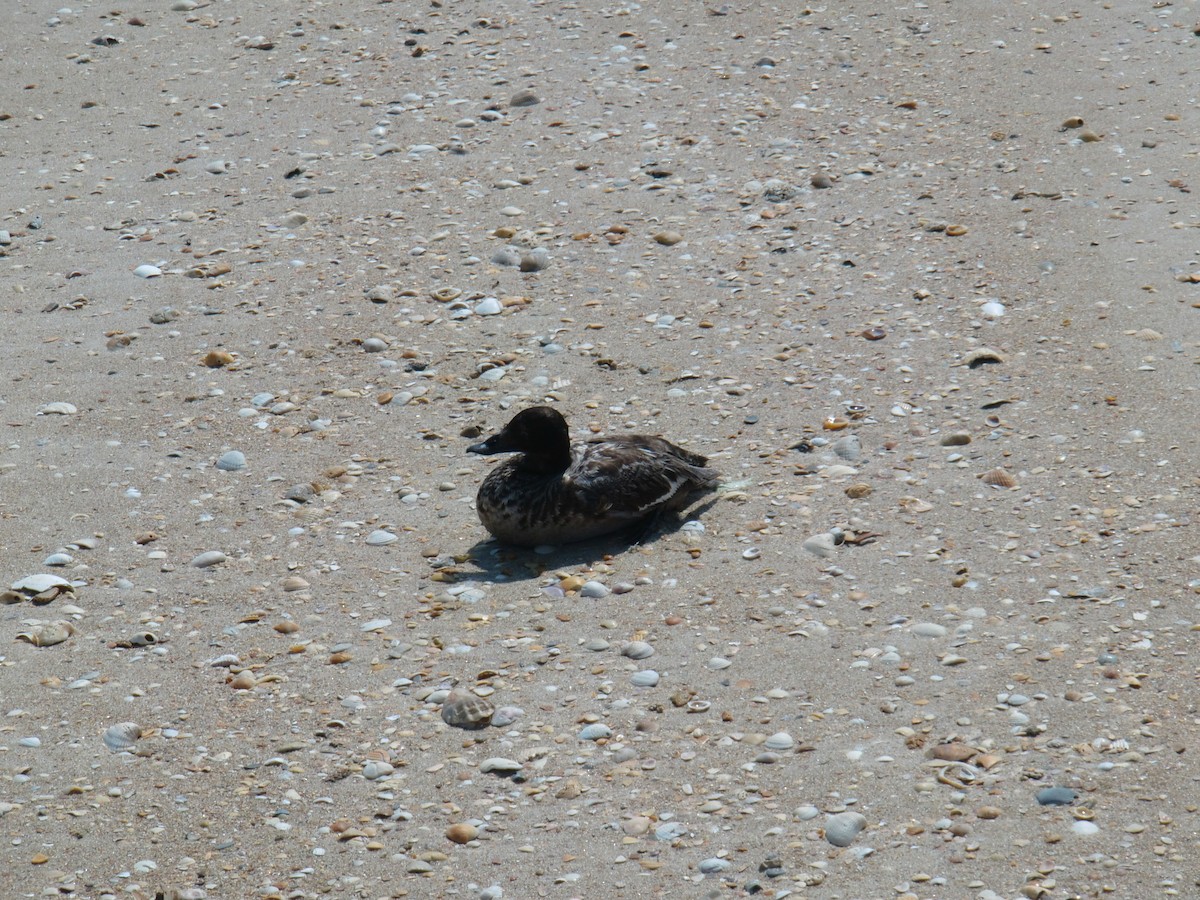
(922, 284)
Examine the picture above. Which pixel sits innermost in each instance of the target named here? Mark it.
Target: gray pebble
(1056, 796)
(843, 828)
(595, 732)
(208, 558)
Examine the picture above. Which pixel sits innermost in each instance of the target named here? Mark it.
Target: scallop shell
(47, 635)
(999, 478)
(121, 737)
(462, 709)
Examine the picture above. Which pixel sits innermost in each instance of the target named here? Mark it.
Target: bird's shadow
(490, 560)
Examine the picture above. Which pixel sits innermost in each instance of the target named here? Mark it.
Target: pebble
(1056, 796)
(208, 558)
(595, 732)
(644, 678)
(500, 765)
(462, 832)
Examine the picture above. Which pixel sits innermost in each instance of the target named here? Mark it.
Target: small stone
(208, 558)
(1056, 796)
(668, 238)
(216, 359)
(595, 732)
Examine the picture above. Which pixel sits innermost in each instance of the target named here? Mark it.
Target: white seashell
(821, 545)
(147, 271)
(637, 650)
(500, 765)
(375, 768)
(58, 559)
(488, 306)
(47, 635)
(780, 740)
(843, 828)
(375, 625)
(38, 588)
(462, 709)
(595, 732)
(379, 537)
(58, 408)
(644, 678)
(848, 448)
(121, 737)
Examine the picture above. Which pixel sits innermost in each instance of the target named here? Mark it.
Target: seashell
(858, 490)
(843, 828)
(446, 294)
(147, 271)
(58, 559)
(1147, 334)
(998, 478)
(1073, 122)
(243, 680)
(954, 439)
(143, 639)
(462, 832)
(58, 408)
(293, 583)
(121, 737)
(645, 678)
(981, 356)
(218, 359)
(848, 448)
(500, 766)
(638, 650)
(820, 545)
(47, 635)
(915, 505)
(955, 751)
(463, 709)
(38, 588)
(781, 740)
(597, 731)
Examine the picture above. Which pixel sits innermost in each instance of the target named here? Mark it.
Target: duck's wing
(654, 444)
(616, 478)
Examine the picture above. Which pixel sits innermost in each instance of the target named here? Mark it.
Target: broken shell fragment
(462, 709)
(998, 478)
(38, 588)
(47, 635)
(121, 737)
(981, 356)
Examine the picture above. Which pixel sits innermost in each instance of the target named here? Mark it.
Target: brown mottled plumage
(555, 493)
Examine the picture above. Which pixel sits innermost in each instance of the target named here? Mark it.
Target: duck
(555, 492)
